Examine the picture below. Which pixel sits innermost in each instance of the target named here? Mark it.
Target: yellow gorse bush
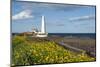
(28, 51)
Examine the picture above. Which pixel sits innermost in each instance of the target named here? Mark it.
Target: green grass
(30, 51)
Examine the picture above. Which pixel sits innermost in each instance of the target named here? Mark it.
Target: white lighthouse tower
(42, 33)
(43, 28)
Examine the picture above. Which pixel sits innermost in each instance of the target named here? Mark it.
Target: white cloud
(82, 18)
(26, 14)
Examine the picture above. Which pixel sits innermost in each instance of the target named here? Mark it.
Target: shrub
(28, 51)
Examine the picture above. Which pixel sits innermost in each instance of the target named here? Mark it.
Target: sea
(78, 35)
(70, 35)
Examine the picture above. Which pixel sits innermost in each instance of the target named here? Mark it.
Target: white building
(42, 33)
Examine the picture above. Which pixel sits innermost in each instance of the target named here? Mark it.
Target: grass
(31, 51)
(85, 44)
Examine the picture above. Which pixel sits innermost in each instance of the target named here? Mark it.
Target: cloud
(51, 6)
(60, 24)
(25, 14)
(55, 24)
(82, 18)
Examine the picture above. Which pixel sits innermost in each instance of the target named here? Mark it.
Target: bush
(28, 51)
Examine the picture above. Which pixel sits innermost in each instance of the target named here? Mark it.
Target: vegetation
(31, 51)
(87, 44)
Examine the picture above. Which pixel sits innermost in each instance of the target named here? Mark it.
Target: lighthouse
(42, 33)
(43, 28)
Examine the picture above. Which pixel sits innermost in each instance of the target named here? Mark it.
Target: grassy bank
(86, 44)
(30, 51)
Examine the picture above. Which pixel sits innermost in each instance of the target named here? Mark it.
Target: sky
(59, 18)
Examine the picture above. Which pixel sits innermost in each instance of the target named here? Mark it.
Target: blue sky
(60, 18)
